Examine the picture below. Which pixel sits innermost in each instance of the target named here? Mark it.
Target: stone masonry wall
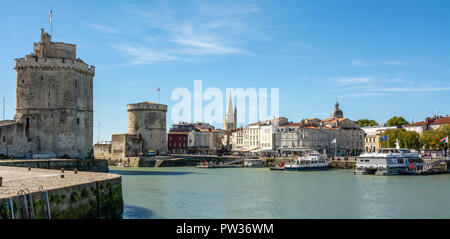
(101, 199)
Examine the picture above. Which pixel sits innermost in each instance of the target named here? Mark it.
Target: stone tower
(54, 109)
(148, 121)
(230, 122)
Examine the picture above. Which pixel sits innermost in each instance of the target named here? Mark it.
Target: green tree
(367, 122)
(406, 139)
(430, 139)
(409, 139)
(392, 138)
(397, 121)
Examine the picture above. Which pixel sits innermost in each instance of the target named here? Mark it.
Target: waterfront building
(54, 104)
(178, 138)
(428, 124)
(289, 139)
(237, 139)
(259, 137)
(373, 135)
(251, 136)
(318, 135)
(177, 142)
(195, 138)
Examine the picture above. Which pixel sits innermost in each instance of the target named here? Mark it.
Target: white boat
(314, 161)
(253, 163)
(389, 161)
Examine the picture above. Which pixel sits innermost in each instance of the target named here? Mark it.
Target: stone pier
(43, 194)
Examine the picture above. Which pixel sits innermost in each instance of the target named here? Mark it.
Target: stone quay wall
(88, 165)
(167, 161)
(98, 199)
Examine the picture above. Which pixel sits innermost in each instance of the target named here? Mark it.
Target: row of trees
(409, 139)
(394, 121)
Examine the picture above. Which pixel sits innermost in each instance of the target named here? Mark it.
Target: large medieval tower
(54, 109)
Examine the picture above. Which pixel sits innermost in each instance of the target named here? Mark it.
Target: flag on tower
(444, 140)
(334, 141)
(50, 16)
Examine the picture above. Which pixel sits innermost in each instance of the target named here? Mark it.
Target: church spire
(230, 116)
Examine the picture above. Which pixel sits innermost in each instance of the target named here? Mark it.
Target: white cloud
(206, 29)
(372, 86)
(410, 89)
(143, 55)
(361, 62)
(353, 80)
(101, 28)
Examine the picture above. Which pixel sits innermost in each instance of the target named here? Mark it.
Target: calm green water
(188, 192)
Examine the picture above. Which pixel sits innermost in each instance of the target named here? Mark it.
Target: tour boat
(314, 161)
(389, 161)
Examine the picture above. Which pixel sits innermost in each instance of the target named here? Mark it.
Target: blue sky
(378, 58)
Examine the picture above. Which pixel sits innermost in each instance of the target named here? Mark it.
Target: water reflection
(135, 212)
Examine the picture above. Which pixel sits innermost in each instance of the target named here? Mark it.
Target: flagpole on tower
(51, 22)
(159, 95)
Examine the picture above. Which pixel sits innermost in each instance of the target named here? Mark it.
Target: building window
(78, 121)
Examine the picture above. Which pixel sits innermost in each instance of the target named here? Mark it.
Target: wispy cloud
(362, 94)
(143, 55)
(101, 28)
(361, 62)
(373, 86)
(410, 89)
(344, 81)
(207, 29)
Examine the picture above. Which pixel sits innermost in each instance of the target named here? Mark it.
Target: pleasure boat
(389, 161)
(314, 161)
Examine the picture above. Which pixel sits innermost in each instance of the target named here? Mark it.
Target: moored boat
(389, 161)
(278, 167)
(314, 161)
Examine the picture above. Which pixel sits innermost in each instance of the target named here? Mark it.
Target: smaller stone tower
(148, 121)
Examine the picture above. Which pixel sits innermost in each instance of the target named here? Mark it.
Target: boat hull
(306, 168)
(277, 168)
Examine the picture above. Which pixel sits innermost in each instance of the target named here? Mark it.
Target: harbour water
(189, 193)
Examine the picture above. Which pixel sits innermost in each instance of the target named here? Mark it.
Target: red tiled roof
(415, 124)
(313, 127)
(292, 125)
(205, 130)
(443, 120)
